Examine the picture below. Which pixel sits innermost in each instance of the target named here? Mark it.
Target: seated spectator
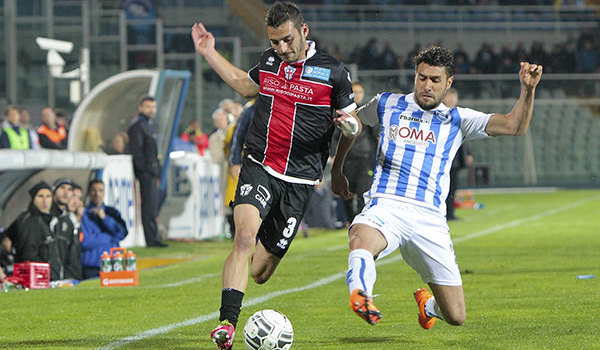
(75, 206)
(119, 144)
(36, 236)
(14, 136)
(7, 257)
(193, 134)
(103, 228)
(52, 135)
(64, 228)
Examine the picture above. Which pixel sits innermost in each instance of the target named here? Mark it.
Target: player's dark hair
(144, 99)
(283, 11)
(436, 56)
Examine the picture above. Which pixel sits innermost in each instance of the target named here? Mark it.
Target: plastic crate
(119, 278)
(33, 275)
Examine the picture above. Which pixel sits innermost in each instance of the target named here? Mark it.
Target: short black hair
(93, 182)
(144, 99)
(283, 11)
(436, 56)
(75, 186)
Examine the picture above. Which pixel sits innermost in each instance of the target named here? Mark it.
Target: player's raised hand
(530, 74)
(204, 41)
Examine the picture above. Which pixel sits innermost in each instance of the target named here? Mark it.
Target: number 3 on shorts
(289, 230)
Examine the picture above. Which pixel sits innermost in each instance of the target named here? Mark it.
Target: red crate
(33, 275)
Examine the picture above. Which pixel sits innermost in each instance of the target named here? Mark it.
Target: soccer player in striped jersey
(405, 206)
(298, 87)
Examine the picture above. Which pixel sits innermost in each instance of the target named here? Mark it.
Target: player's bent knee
(457, 319)
(260, 279)
(244, 240)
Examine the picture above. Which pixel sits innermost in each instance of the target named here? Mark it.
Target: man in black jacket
(63, 229)
(146, 167)
(38, 235)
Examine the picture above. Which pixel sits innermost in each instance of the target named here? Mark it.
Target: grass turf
(520, 257)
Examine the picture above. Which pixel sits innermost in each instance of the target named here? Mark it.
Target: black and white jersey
(291, 130)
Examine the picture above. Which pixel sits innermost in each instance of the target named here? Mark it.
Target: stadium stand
(564, 133)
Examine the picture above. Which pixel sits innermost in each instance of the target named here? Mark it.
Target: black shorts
(281, 205)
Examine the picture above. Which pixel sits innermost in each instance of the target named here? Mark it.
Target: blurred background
(376, 39)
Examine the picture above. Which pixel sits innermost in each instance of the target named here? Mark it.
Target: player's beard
(427, 106)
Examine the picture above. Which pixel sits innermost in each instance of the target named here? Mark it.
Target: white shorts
(422, 235)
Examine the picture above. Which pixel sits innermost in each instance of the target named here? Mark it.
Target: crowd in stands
(581, 55)
(18, 133)
(59, 229)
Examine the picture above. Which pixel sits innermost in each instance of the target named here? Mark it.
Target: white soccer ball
(268, 330)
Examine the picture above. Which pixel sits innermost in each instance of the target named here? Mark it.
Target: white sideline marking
(324, 281)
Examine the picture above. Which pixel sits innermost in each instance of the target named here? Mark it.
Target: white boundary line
(324, 281)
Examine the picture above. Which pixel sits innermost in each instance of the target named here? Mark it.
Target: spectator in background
(63, 119)
(388, 58)
(486, 60)
(193, 134)
(119, 144)
(7, 253)
(34, 139)
(216, 145)
(14, 136)
(51, 134)
(231, 107)
(103, 228)
(146, 167)
(75, 205)
(92, 140)
(463, 159)
(38, 235)
(587, 58)
(63, 227)
(30, 233)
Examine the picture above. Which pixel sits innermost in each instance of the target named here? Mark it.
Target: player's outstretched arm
(204, 44)
(517, 121)
(339, 182)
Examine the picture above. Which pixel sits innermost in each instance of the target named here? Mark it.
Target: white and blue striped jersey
(417, 147)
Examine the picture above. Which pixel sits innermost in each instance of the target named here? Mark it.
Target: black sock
(231, 305)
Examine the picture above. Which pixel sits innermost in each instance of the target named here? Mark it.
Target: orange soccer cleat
(363, 306)
(421, 296)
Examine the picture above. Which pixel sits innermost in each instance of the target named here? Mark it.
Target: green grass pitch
(520, 257)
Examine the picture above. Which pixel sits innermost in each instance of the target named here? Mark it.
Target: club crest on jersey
(289, 72)
(245, 190)
(441, 116)
(316, 73)
(411, 136)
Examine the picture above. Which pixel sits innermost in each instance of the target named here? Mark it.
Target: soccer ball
(268, 330)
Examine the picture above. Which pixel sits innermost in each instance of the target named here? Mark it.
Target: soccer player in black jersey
(299, 89)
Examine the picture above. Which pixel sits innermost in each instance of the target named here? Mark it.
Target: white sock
(361, 271)
(432, 309)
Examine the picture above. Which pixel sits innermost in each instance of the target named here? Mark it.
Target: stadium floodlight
(56, 63)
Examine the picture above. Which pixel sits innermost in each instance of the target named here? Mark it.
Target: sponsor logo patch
(263, 195)
(316, 73)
